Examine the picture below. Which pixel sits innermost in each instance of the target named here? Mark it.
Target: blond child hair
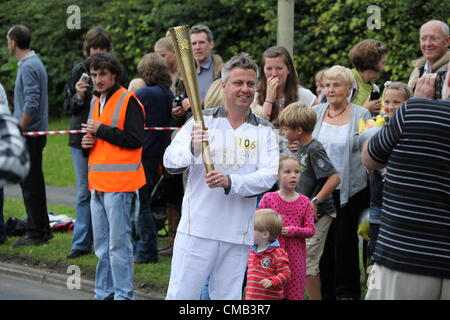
(400, 86)
(297, 115)
(396, 85)
(319, 75)
(268, 220)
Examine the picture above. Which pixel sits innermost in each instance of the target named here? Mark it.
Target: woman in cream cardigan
(336, 128)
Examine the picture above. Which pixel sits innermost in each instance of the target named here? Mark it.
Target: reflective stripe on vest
(115, 118)
(115, 167)
(119, 105)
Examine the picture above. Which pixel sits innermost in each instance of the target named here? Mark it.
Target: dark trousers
(2, 222)
(339, 266)
(326, 266)
(33, 191)
(146, 241)
(374, 229)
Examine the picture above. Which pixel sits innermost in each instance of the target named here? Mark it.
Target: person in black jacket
(78, 95)
(156, 98)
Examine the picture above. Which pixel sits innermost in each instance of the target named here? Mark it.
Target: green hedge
(324, 31)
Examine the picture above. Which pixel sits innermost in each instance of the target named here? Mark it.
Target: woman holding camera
(367, 58)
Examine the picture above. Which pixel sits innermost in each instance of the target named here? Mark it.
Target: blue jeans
(205, 291)
(146, 244)
(82, 235)
(2, 222)
(374, 213)
(111, 222)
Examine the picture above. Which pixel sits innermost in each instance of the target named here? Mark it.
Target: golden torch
(185, 58)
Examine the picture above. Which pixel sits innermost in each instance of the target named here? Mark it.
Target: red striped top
(272, 263)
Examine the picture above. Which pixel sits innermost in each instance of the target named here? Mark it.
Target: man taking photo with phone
(78, 94)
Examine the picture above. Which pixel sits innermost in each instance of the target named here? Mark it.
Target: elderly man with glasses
(434, 40)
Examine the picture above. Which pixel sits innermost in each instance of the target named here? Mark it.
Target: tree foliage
(324, 31)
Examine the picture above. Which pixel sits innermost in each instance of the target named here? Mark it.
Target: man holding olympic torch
(216, 228)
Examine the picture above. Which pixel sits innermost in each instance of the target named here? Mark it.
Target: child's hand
(265, 283)
(316, 215)
(285, 231)
(293, 145)
(374, 106)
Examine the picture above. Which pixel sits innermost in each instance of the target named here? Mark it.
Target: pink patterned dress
(298, 216)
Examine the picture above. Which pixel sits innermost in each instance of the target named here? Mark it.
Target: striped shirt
(272, 264)
(415, 223)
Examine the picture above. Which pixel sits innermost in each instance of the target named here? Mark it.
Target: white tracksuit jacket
(249, 155)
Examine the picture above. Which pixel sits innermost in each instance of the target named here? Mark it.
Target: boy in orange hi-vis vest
(115, 133)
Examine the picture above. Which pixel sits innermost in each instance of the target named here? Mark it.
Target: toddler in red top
(298, 223)
(268, 264)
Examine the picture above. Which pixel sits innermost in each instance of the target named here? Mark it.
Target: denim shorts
(374, 213)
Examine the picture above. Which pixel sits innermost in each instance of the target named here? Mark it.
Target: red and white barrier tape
(43, 133)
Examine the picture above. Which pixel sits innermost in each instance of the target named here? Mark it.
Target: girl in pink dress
(298, 223)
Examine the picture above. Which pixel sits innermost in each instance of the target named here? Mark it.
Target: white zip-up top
(248, 155)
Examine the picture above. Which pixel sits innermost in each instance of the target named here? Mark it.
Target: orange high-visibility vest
(112, 168)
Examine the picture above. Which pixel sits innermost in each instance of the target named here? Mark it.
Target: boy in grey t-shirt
(318, 180)
(316, 169)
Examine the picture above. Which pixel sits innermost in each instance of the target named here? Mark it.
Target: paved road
(55, 195)
(13, 288)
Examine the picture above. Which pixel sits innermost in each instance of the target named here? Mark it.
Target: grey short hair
(444, 27)
(202, 28)
(342, 74)
(243, 61)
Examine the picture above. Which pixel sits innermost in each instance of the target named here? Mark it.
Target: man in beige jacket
(434, 40)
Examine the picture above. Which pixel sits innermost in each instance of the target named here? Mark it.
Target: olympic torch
(183, 49)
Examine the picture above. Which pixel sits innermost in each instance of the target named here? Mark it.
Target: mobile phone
(84, 77)
(375, 95)
(178, 100)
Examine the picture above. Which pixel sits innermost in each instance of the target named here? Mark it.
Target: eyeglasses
(431, 38)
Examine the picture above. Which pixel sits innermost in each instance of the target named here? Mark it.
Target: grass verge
(52, 256)
(57, 158)
(58, 171)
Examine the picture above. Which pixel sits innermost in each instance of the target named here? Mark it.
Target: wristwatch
(315, 201)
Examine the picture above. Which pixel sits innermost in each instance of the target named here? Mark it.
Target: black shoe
(27, 241)
(48, 235)
(76, 253)
(164, 248)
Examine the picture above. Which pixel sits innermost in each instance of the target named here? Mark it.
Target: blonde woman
(337, 124)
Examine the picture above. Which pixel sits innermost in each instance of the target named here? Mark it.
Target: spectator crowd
(295, 169)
